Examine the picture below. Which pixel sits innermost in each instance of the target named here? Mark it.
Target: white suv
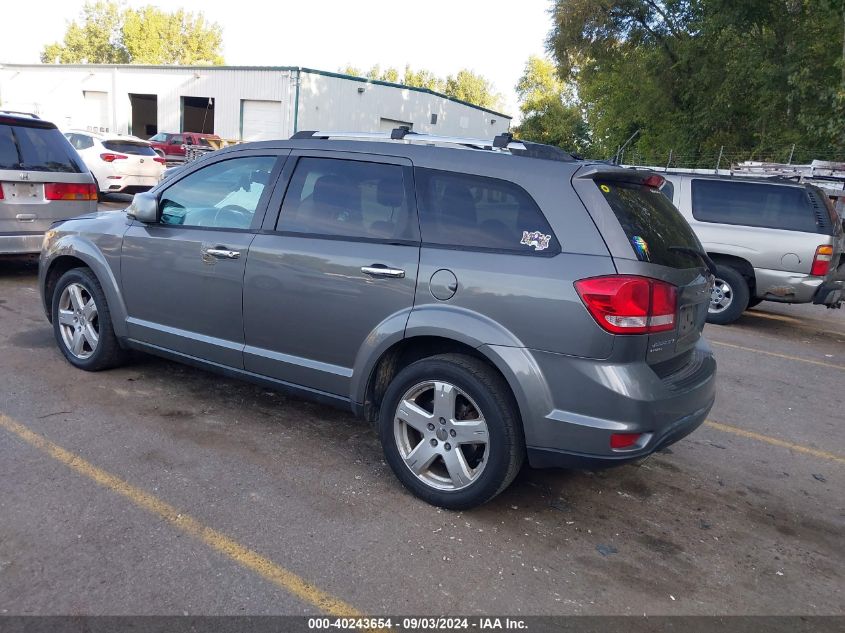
(119, 163)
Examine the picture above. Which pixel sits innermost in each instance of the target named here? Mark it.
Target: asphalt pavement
(161, 489)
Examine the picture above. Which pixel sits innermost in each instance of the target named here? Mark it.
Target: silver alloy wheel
(721, 296)
(78, 321)
(441, 435)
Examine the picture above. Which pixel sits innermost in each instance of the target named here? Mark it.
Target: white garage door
(261, 120)
(96, 113)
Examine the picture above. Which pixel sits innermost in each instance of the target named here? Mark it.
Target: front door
(183, 277)
(337, 269)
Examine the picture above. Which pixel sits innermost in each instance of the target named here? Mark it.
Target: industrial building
(238, 103)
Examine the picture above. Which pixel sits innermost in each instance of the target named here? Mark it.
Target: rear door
(338, 268)
(642, 230)
(34, 155)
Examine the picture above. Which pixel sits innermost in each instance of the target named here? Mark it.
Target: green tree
(96, 38)
(548, 113)
(695, 75)
(108, 33)
(472, 88)
(465, 85)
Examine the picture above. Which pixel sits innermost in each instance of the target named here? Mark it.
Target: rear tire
(458, 460)
(729, 298)
(82, 322)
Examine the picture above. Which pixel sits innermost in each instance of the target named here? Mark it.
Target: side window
(462, 210)
(222, 195)
(347, 198)
(176, 140)
(80, 141)
(668, 190)
(753, 204)
(158, 138)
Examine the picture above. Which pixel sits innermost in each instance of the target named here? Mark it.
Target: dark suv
(481, 302)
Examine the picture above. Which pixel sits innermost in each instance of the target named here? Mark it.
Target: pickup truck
(173, 143)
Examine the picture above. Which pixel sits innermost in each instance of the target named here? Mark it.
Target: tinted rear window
(36, 149)
(129, 147)
(753, 204)
(652, 224)
(467, 211)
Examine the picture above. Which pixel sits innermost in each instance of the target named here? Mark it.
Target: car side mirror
(144, 208)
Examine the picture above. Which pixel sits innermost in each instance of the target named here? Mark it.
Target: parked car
(42, 179)
(119, 163)
(479, 306)
(173, 144)
(771, 240)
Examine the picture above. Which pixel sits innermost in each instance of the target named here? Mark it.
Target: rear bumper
(130, 184)
(21, 243)
(569, 419)
(786, 287)
(551, 458)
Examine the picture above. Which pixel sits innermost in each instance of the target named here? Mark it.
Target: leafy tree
(548, 113)
(107, 33)
(473, 88)
(465, 85)
(95, 39)
(695, 75)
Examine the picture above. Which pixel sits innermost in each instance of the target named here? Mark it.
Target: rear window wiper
(704, 257)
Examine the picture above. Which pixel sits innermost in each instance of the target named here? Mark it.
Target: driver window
(222, 195)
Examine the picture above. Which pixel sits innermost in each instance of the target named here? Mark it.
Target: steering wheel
(239, 215)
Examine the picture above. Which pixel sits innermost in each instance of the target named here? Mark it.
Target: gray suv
(42, 179)
(480, 302)
(771, 240)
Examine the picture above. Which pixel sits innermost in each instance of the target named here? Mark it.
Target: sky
(490, 37)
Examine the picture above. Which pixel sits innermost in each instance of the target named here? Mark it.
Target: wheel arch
(741, 265)
(68, 254)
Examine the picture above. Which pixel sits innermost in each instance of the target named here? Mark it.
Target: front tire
(729, 297)
(82, 322)
(450, 430)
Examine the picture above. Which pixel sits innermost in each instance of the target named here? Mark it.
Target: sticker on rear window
(605, 188)
(540, 241)
(641, 246)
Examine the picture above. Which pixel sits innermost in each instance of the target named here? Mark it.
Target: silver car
(771, 240)
(480, 302)
(42, 179)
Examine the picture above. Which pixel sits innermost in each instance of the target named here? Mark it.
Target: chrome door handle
(222, 253)
(380, 270)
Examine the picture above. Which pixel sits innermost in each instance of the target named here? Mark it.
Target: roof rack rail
(503, 141)
(17, 113)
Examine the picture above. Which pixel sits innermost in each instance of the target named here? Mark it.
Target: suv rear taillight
(69, 191)
(821, 262)
(110, 158)
(627, 304)
(160, 160)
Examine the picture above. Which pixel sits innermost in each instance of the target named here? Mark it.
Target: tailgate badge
(540, 241)
(142, 160)
(24, 175)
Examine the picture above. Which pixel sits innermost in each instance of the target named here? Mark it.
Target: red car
(173, 144)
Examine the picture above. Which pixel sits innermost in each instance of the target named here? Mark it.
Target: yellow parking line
(219, 542)
(802, 323)
(775, 354)
(798, 448)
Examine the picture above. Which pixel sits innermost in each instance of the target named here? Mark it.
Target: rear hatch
(139, 159)
(42, 178)
(648, 237)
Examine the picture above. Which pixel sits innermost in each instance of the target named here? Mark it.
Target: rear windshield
(651, 223)
(754, 204)
(129, 147)
(36, 149)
